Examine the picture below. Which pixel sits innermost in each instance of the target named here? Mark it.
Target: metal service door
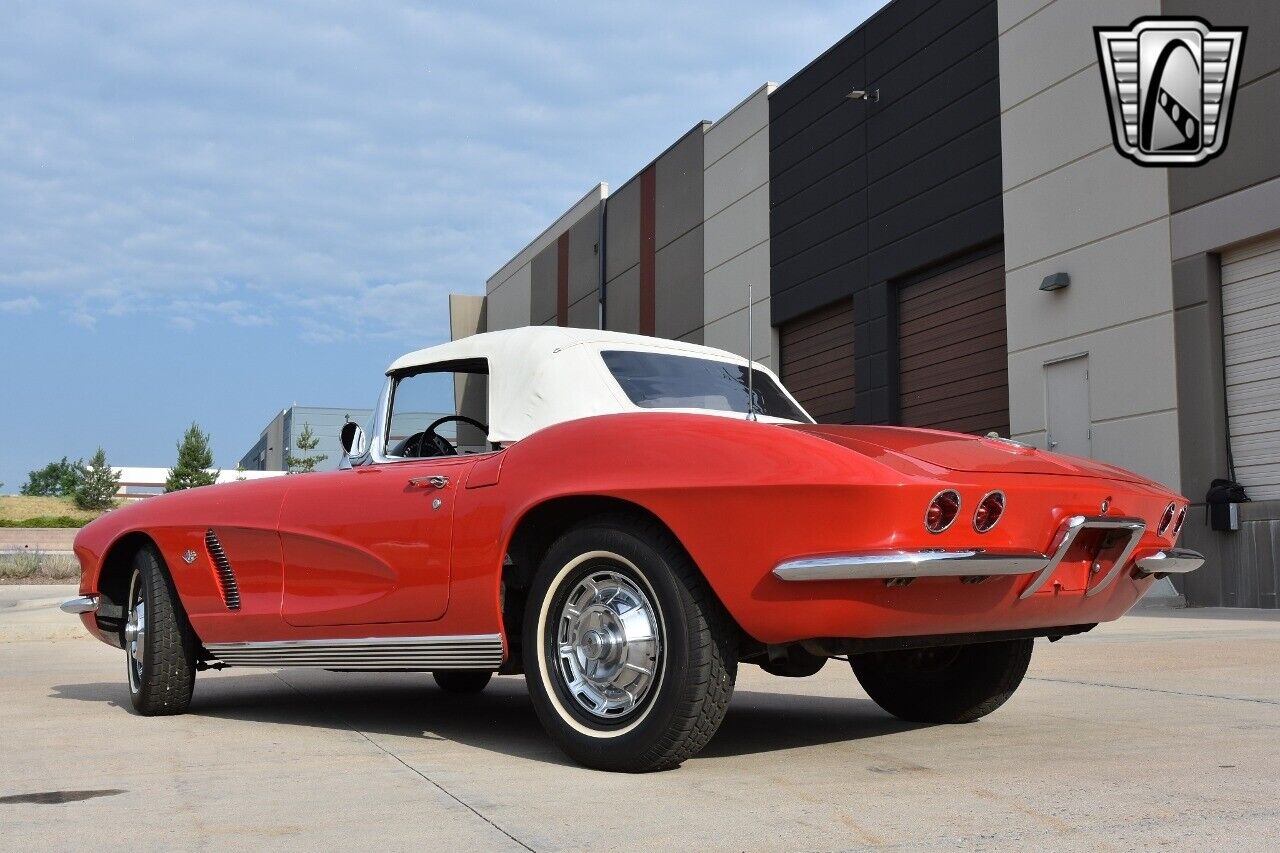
(1067, 406)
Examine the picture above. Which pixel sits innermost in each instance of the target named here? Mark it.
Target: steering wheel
(417, 445)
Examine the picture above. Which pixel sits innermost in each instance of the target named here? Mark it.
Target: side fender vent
(226, 577)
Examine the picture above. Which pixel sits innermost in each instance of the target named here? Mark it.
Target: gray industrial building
(279, 436)
(898, 246)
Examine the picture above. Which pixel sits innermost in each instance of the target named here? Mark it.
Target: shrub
(55, 480)
(20, 565)
(36, 565)
(45, 521)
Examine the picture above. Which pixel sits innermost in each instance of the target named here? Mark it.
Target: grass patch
(31, 565)
(23, 511)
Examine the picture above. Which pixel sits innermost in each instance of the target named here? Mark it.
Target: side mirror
(353, 439)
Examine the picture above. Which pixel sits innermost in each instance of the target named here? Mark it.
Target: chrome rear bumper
(908, 564)
(1175, 561)
(83, 604)
(979, 563)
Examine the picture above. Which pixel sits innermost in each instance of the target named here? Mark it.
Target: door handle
(438, 481)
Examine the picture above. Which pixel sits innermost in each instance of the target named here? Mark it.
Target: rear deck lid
(956, 452)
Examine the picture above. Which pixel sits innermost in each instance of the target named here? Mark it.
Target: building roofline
(575, 212)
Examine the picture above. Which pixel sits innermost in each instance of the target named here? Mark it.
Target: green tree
(97, 488)
(306, 442)
(194, 461)
(55, 480)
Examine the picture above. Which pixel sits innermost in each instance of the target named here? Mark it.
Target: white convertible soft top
(544, 375)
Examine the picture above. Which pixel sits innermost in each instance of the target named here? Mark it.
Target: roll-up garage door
(817, 361)
(952, 352)
(1251, 329)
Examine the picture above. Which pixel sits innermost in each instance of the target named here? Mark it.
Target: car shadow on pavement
(501, 719)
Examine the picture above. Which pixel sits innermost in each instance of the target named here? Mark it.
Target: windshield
(660, 381)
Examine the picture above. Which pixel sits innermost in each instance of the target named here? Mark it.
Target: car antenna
(751, 367)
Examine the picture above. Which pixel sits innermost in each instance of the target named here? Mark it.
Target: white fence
(137, 483)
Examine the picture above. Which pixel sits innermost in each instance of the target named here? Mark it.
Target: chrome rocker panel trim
(473, 651)
(908, 564)
(87, 604)
(978, 563)
(1174, 561)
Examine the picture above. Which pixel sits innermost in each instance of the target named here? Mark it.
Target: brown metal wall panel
(952, 349)
(817, 363)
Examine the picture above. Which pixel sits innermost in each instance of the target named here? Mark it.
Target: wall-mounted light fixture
(1057, 281)
(872, 95)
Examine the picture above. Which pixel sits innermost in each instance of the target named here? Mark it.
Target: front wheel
(160, 647)
(629, 658)
(947, 684)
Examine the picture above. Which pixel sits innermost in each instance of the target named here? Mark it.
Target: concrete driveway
(1158, 730)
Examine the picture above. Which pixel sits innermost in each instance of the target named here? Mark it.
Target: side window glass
(438, 413)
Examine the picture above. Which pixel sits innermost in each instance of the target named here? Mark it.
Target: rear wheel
(160, 647)
(947, 684)
(462, 680)
(629, 658)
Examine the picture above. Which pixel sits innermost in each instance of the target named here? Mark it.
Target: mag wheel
(628, 655)
(947, 684)
(160, 647)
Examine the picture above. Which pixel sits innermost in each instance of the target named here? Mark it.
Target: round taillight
(942, 511)
(1182, 517)
(1166, 519)
(989, 510)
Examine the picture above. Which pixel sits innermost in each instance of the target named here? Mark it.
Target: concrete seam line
(415, 770)
(1155, 690)
(444, 790)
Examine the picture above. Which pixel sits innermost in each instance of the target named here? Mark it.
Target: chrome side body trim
(909, 564)
(473, 651)
(82, 604)
(1174, 561)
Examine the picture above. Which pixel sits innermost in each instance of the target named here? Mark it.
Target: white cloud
(338, 168)
(21, 305)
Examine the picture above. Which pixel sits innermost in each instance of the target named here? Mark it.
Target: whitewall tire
(628, 655)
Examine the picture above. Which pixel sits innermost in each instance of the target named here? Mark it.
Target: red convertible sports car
(625, 520)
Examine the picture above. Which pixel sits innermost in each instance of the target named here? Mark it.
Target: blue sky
(211, 210)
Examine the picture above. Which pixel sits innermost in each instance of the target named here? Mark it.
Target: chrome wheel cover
(135, 633)
(608, 646)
